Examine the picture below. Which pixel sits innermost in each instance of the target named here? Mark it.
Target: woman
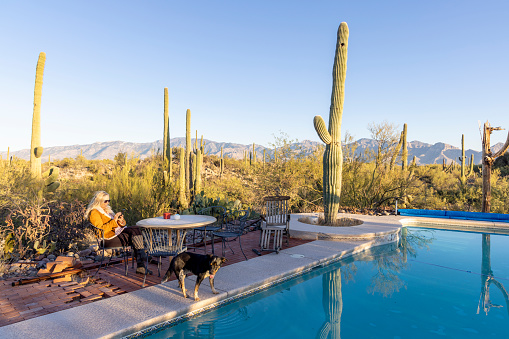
(100, 214)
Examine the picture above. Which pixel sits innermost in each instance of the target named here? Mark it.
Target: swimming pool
(435, 283)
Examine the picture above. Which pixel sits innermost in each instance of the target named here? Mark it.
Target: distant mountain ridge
(425, 153)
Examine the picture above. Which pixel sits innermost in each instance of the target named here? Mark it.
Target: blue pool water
(435, 283)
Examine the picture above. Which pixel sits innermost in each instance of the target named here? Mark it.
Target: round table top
(185, 221)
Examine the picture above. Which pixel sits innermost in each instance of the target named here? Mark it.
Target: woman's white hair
(95, 203)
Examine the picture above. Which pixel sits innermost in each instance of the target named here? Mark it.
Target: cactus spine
(333, 155)
(404, 153)
(166, 138)
(35, 147)
(188, 151)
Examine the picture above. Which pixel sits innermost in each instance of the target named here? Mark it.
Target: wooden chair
(233, 229)
(275, 224)
(105, 244)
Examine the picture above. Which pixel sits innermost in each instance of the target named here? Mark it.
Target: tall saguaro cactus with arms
(333, 155)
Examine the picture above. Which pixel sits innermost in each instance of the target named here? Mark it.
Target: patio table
(165, 237)
(171, 233)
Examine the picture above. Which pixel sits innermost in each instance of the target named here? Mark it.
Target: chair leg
(212, 243)
(231, 249)
(194, 242)
(146, 270)
(126, 260)
(240, 245)
(158, 268)
(100, 265)
(223, 245)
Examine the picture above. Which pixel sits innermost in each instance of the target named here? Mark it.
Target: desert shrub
(68, 229)
(27, 223)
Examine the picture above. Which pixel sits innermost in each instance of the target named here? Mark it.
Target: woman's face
(106, 202)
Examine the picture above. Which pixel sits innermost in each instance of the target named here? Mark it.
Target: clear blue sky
(249, 69)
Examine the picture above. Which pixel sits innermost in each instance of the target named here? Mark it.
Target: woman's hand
(117, 216)
(120, 219)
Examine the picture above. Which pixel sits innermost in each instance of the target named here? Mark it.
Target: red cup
(166, 215)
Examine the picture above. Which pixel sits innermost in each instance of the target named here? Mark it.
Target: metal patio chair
(219, 212)
(233, 229)
(105, 244)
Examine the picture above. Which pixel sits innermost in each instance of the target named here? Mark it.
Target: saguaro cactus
(396, 152)
(51, 179)
(35, 146)
(188, 150)
(254, 154)
(166, 140)
(333, 155)
(404, 153)
(182, 179)
(487, 160)
(197, 179)
(471, 171)
(463, 178)
(221, 163)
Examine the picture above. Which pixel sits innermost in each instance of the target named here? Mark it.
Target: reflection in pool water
(427, 286)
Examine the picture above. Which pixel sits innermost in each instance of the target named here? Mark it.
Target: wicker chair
(161, 243)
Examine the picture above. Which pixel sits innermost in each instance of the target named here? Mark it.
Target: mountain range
(424, 153)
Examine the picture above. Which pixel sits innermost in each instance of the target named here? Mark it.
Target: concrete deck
(131, 312)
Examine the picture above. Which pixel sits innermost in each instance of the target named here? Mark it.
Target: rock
(40, 257)
(45, 260)
(85, 252)
(51, 257)
(14, 269)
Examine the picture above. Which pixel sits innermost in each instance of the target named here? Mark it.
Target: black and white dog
(202, 266)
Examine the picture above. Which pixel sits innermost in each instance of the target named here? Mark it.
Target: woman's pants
(131, 236)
